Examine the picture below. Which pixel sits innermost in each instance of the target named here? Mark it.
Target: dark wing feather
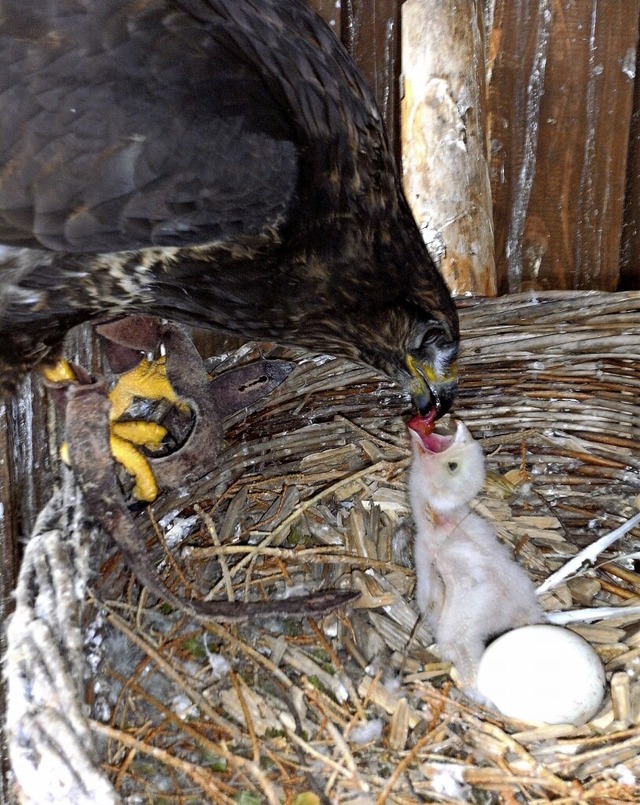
(238, 131)
(126, 127)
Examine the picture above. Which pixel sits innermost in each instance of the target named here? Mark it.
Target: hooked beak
(430, 390)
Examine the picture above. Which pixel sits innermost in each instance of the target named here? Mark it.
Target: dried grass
(310, 493)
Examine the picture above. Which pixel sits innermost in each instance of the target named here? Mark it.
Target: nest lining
(310, 493)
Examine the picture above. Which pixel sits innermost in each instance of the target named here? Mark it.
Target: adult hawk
(221, 163)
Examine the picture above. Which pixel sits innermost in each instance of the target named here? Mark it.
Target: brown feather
(217, 162)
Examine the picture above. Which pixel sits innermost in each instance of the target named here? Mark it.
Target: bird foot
(178, 383)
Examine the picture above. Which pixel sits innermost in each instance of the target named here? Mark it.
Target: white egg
(542, 673)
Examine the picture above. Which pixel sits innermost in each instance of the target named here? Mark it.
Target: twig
(404, 764)
(309, 750)
(591, 614)
(200, 776)
(256, 656)
(247, 715)
(168, 669)
(344, 677)
(167, 551)
(224, 565)
(587, 556)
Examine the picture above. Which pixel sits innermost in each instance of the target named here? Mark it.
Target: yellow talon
(60, 372)
(149, 434)
(137, 465)
(147, 380)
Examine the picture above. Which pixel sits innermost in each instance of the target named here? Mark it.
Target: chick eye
(453, 466)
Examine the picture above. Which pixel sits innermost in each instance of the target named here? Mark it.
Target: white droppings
(183, 707)
(393, 684)
(447, 779)
(624, 774)
(367, 733)
(218, 664)
(180, 530)
(168, 518)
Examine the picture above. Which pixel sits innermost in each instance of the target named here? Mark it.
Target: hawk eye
(427, 336)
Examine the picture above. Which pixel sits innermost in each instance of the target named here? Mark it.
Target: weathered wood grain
(8, 563)
(30, 435)
(371, 33)
(444, 146)
(24, 486)
(560, 98)
(630, 249)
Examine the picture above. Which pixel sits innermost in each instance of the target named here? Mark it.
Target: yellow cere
(421, 371)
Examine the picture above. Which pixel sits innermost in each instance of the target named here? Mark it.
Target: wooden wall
(564, 131)
(560, 98)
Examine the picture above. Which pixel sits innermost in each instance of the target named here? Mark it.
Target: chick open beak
(431, 390)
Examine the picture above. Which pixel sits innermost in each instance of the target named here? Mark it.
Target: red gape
(423, 425)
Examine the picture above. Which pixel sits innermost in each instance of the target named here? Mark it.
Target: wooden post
(29, 441)
(444, 147)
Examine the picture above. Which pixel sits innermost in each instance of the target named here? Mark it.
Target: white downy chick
(468, 585)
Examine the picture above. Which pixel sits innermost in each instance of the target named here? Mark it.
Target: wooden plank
(444, 145)
(24, 486)
(331, 12)
(630, 249)
(29, 440)
(8, 566)
(30, 444)
(371, 33)
(8, 519)
(560, 97)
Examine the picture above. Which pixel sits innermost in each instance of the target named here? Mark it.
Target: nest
(310, 493)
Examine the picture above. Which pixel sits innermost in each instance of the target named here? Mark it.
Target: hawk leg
(179, 379)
